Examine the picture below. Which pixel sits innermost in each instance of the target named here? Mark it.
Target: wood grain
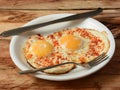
(58, 4)
(103, 79)
(15, 13)
(15, 18)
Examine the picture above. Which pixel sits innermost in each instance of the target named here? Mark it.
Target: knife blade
(20, 30)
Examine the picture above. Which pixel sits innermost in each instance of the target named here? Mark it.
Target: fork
(88, 65)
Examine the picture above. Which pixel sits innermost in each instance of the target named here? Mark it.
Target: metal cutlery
(19, 30)
(89, 65)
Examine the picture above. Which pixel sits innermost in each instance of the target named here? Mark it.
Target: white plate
(17, 42)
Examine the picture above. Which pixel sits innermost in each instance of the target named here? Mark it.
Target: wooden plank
(58, 4)
(15, 18)
(15, 13)
(15, 81)
(23, 16)
(12, 80)
(4, 46)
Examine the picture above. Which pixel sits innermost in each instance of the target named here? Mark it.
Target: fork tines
(98, 60)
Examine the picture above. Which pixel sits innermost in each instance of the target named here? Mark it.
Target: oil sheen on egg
(70, 42)
(41, 48)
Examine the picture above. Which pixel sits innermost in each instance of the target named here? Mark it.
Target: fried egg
(77, 45)
(41, 48)
(65, 41)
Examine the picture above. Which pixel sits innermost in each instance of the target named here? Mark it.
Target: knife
(19, 30)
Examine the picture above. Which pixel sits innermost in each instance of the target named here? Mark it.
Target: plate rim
(14, 38)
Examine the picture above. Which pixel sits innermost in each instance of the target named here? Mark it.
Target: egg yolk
(41, 48)
(70, 42)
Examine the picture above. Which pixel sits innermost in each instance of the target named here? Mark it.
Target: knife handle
(19, 30)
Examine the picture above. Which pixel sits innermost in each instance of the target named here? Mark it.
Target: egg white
(67, 55)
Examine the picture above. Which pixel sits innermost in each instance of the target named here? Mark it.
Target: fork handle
(42, 69)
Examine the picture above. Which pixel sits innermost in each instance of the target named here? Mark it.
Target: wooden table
(15, 13)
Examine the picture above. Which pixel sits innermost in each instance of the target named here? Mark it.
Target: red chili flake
(55, 43)
(51, 36)
(29, 56)
(39, 59)
(82, 59)
(39, 35)
(52, 54)
(70, 32)
(62, 58)
(41, 38)
(59, 34)
(59, 57)
(57, 62)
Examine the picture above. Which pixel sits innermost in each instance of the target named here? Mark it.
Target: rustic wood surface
(15, 13)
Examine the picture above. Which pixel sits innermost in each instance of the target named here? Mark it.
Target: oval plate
(17, 42)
